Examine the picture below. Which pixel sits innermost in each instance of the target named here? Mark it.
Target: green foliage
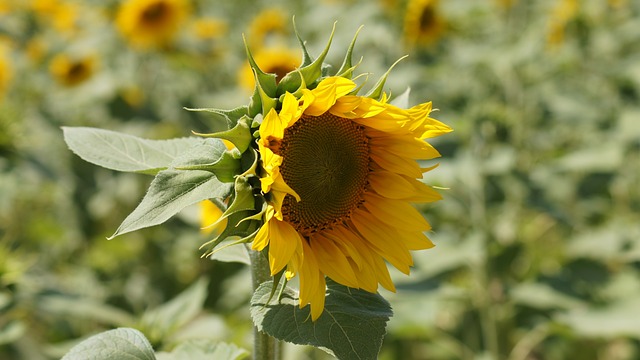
(121, 343)
(352, 325)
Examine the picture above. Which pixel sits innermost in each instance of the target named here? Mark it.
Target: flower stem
(265, 347)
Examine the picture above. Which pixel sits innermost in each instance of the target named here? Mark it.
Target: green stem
(265, 347)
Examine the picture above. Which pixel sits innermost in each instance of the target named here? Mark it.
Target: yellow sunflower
(72, 71)
(279, 61)
(149, 23)
(6, 72)
(339, 173)
(62, 15)
(423, 24)
(209, 28)
(266, 26)
(564, 12)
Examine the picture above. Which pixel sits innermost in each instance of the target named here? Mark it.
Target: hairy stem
(265, 347)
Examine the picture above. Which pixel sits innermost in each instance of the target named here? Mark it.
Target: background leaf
(122, 343)
(165, 319)
(352, 325)
(123, 152)
(204, 350)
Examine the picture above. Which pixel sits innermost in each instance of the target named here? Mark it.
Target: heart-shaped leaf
(352, 325)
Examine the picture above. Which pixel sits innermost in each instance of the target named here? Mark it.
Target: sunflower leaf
(170, 192)
(123, 152)
(352, 325)
(121, 343)
(204, 349)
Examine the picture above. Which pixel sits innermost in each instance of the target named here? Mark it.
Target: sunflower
(561, 15)
(62, 15)
(279, 61)
(339, 173)
(71, 71)
(266, 26)
(423, 24)
(207, 28)
(6, 73)
(149, 23)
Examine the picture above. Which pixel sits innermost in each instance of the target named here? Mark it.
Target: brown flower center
(326, 161)
(155, 13)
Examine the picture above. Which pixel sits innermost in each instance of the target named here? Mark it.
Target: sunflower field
(531, 110)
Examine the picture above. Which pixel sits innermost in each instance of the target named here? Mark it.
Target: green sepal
(246, 230)
(263, 80)
(249, 161)
(306, 58)
(376, 92)
(230, 116)
(296, 78)
(346, 70)
(243, 240)
(239, 135)
(226, 168)
(311, 72)
(266, 101)
(276, 282)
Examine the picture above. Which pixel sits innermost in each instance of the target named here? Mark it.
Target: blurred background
(538, 236)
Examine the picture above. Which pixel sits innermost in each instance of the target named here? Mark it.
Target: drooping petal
(283, 242)
(382, 240)
(332, 261)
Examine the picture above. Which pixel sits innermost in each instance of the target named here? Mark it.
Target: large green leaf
(123, 152)
(165, 319)
(170, 192)
(118, 344)
(352, 325)
(203, 349)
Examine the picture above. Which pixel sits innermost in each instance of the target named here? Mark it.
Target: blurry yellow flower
(71, 71)
(209, 214)
(132, 95)
(209, 28)
(62, 15)
(6, 72)
(5, 6)
(505, 4)
(339, 173)
(423, 24)
(265, 26)
(279, 61)
(561, 15)
(149, 23)
(618, 4)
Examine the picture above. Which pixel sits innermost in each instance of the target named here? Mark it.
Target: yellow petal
(408, 147)
(383, 240)
(327, 92)
(272, 125)
(396, 213)
(283, 242)
(395, 163)
(332, 261)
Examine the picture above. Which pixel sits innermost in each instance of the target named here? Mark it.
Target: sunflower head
(423, 23)
(268, 27)
(332, 177)
(151, 23)
(71, 71)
